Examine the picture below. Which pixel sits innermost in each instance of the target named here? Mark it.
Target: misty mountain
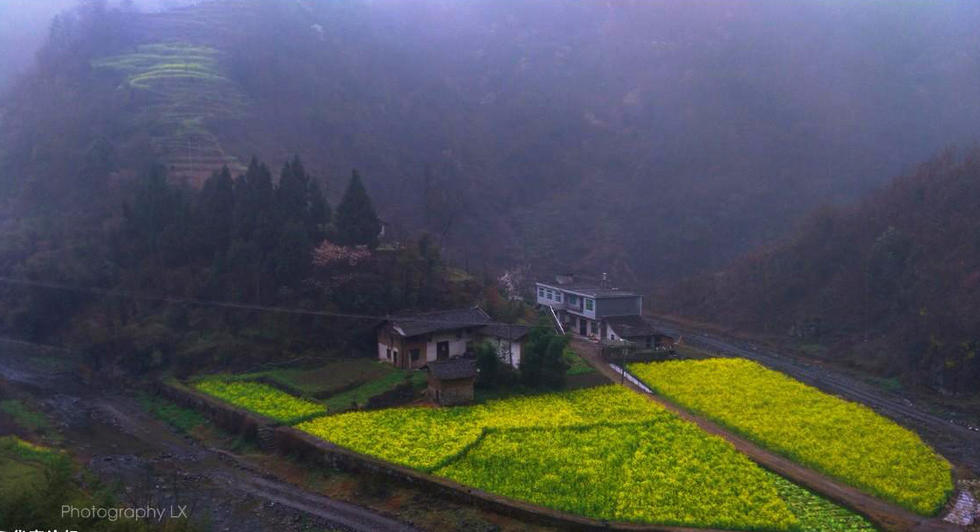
(24, 26)
(891, 285)
(647, 139)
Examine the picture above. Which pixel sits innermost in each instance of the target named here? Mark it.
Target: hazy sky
(24, 25)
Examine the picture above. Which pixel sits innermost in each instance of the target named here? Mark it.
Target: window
(589, 304)
(594, 327)
(415, 355)
(558, 297)
(572, 299)
(541, 292)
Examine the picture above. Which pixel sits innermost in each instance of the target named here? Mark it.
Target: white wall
(557, 296)
(501, 346)
(457, 346)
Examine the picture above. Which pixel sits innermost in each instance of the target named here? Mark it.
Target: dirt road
(122, 444)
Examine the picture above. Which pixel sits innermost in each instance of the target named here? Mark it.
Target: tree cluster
(257, 235)
(543, 363)
(891, 285)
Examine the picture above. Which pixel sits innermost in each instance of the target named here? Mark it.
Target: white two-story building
(598, 310)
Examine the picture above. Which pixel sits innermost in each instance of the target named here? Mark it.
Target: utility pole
(510, 345)
(622, 373)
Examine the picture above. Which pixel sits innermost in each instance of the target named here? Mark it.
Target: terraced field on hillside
(177, 84)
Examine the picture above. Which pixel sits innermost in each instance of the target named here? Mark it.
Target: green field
(182, 419)
(576, 365)
(24, 415)
(158, 62)
(355, 382)
(359, 396)
(328, 379)
(845, 440)
(641, 463)
(261, 399)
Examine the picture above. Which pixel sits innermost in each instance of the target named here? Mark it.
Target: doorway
(442, 351)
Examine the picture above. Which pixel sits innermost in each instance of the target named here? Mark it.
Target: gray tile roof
(442, 320)
(457, 368)
(632, 326)
(505, 331)
(591, 289)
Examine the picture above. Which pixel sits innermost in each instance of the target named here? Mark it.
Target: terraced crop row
(840, 438)
(606, 453)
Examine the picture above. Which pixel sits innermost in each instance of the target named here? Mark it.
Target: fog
(24, 26)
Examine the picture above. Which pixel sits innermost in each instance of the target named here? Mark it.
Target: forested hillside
(891, 285)
(646, 139)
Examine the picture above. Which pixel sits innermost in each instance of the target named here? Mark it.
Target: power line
(8, 340)
(220, 304)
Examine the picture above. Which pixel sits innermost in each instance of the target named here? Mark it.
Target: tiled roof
(505, 331)
(457, 368)
(443, 320)
(590, 289)
(632, 326)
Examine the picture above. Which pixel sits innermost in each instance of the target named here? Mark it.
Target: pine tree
(357, 223)
(154, 208)
(319, 216)
(214, 213)
(292, 194)
(253, 199)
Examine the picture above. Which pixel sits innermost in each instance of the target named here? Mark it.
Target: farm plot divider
(325, 454)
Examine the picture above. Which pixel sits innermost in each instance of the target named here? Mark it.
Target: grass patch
(328, 379)
(14, 447)
(576, 364)
(182, 419)
(25, 416)
(359, 396)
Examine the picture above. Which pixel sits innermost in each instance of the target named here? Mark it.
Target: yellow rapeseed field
(604, 452)
(840, 438)
(261, 399)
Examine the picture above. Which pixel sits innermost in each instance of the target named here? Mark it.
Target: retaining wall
(230, 418)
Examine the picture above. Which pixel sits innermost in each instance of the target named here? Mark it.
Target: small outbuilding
(451, 381)
(639, 331)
